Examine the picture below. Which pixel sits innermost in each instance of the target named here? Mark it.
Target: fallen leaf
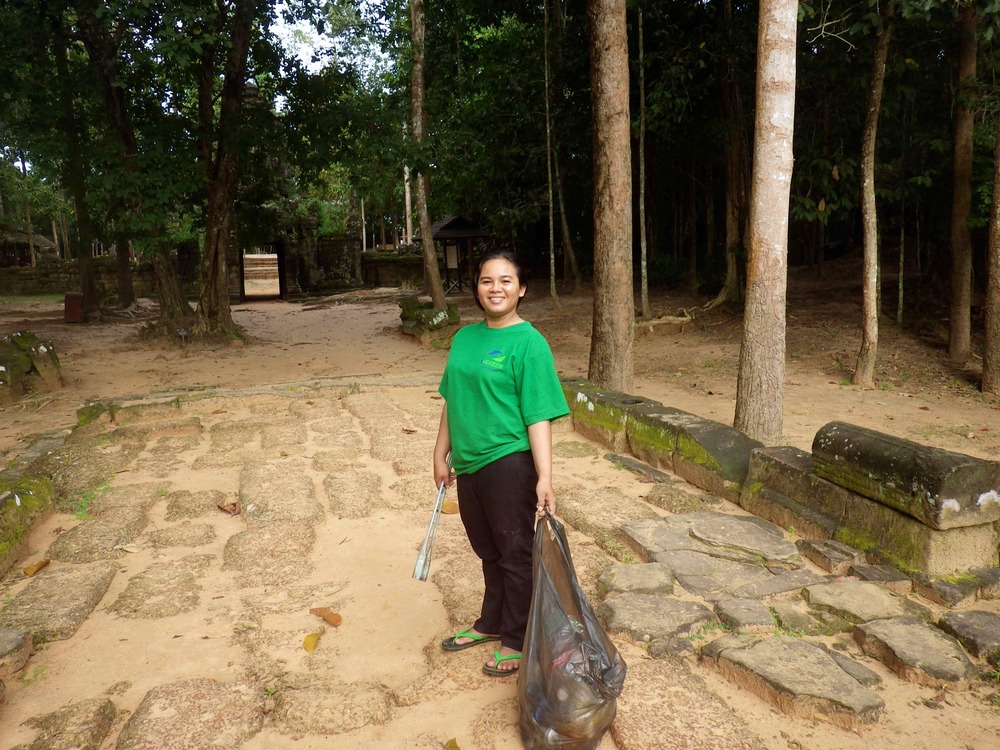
(925, 408)
(127, 548)
(647, 479)
(36, 566)
(312, 640)
(452, 744)
(408, 431)
(220, 411)
(232, 509)
(327, 614)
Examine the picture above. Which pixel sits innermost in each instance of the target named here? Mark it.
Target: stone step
(978, 631)
(798, 679)
(915, 651)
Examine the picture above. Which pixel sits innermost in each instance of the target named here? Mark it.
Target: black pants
(497, 504)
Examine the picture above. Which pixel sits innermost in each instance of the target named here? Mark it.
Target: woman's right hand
(443, 472)
(442, 447)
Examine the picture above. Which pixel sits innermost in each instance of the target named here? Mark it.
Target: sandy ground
(354, 338)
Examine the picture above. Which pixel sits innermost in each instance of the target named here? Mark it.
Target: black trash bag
(571, 674)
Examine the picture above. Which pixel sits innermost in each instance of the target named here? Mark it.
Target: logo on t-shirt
(494, 360)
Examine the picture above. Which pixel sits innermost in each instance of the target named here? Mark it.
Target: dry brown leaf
(36, 566)
(312, 640)
(220, 411)
(327, 614)
(232, 509)
(452, 744)
(408, 431)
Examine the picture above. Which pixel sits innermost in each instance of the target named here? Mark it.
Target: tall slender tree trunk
(647, 311)
(548, 158)
(864, 372)
(737, 168)
(761, 378)
(73, 176)
(408, 207)
(991, 354)
(364, 229)
(571, 269)
(418, 114)
(960, 313)
(613, 339)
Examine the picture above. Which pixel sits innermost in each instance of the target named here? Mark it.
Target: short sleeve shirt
(496, 383)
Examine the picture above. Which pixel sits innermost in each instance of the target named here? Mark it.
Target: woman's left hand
(546, 498)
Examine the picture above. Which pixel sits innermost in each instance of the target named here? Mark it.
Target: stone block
(646, 617)
(915, 651)
(648, 578)
(858, 601)
(801, 680)
(834, 557)
(745, 615)
(708, 454)
(597, 413)
(884, 575)
(948, 592)
(942, 489)
(978, 631)
(886, 535)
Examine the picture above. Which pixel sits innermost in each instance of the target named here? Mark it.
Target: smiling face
(499, 289)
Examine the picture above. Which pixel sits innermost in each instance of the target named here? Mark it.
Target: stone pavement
(163, 622)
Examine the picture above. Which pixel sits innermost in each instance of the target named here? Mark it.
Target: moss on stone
(691, 449)
(859, 540)
(661, 438)
(89, 412)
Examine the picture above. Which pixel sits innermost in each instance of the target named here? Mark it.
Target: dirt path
(207, 612)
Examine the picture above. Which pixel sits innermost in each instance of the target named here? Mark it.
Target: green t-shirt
(496, 383)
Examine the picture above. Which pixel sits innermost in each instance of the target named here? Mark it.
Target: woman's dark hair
(499, 254)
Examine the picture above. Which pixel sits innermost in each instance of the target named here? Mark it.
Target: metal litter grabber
(423, 565)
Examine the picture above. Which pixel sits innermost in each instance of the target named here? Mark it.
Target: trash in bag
(571, 674)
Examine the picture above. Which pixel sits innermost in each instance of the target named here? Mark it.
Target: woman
(501, 390)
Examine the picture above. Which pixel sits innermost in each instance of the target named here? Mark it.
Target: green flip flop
(449, 644)
(495, 670)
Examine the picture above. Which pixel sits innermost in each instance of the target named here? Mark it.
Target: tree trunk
(364, 230)
(612, 342)
(864, 372)
(221, 161)
(900, 275)
(419, 123)
(760, 381)
(126, 291)
(571, 269)
(548, 159)
(67, 248)
(991, 353)
(960, 314)
(737, 169)
(73, 176)
(408, 207)
(177, 318)
(646, 310)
